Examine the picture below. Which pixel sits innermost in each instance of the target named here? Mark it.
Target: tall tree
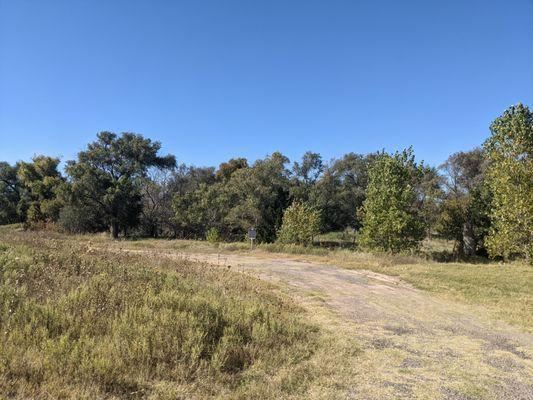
(464, 211)
(107, 176)
(9, 193)
(392, 221)
(226, 169)
(41, 183)
(510, 177)
(304, 176)
(340, 191)
(258, 195)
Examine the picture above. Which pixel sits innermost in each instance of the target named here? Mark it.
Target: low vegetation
(504, 289)
(78, 322)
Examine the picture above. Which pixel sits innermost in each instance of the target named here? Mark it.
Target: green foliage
(81, 219)
(9, 193)
(197, 211)
(107, 176)
(392, 221)
(248, 196)
(305, 175)
(226, 169)
(213, 235)
(257, 196)
(41, 184)
(301, 223)
(466, 202)
(83, 323)
(341, 190)
(510, 178)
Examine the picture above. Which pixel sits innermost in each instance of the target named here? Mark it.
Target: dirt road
(413, 345)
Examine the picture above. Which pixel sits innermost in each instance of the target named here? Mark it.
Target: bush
(80, 219)
(301, 223)
(213, 235)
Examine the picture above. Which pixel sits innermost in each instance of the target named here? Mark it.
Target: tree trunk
(114, 230)
(469, 241)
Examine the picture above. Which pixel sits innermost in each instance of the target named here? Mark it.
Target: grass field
(81, 320)
(82, 323)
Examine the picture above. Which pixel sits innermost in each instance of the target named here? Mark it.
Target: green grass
(505, 290)
(77, 322)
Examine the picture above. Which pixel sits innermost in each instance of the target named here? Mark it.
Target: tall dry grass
(77, 322)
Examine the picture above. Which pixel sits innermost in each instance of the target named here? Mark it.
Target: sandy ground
(413, 345)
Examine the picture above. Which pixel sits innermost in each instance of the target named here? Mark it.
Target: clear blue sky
(216, 79)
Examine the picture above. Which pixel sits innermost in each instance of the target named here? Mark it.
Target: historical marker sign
(252, 234)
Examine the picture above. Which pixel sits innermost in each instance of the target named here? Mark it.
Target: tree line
(482, 198)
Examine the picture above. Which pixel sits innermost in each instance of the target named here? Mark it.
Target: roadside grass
(81, 322)
(504, 289)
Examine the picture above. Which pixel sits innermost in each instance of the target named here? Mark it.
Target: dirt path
(414, 345)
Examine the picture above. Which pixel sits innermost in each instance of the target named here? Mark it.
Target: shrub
(301, 223)
(80, 219)
(213, 235)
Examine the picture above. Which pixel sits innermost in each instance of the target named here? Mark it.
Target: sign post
(252, 234)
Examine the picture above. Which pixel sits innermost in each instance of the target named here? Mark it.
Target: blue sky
(217, 79)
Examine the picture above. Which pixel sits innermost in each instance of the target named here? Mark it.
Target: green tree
(510, 178)
(226, 169)
(304, 176)
(185, 179)
(41, 182)
(466, 202)
(108, 175)
(391, 219)
(301, 223)
(257, 196)
(9, 193)
(198, 211)
(340, 191)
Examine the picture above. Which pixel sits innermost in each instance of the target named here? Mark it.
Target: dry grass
(505, 290)
(79, 322)
(80, 319)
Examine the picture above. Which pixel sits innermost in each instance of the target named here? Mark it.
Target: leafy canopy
(41, 184)
(392, 221)
(107, 176)
(510, 177)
